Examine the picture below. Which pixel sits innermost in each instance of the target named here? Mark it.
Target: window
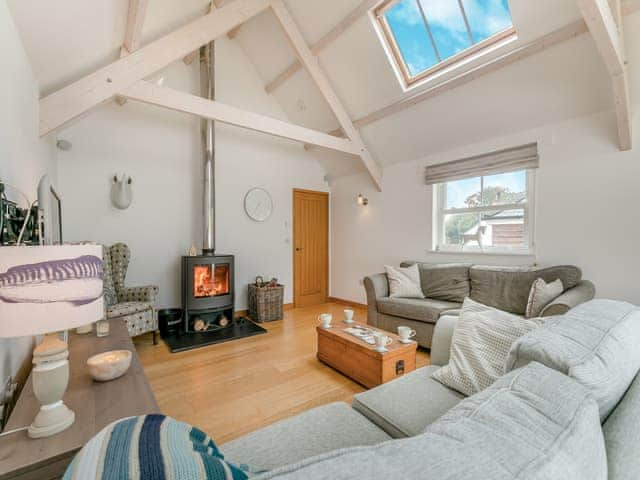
(488, 214)
(426, 36)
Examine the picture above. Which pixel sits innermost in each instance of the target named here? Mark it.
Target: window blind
(509, 160)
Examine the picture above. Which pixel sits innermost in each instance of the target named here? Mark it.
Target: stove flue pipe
(208, 90)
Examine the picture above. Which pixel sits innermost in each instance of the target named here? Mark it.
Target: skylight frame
(395, 54)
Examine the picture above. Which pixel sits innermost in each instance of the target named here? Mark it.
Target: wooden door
(310, 247)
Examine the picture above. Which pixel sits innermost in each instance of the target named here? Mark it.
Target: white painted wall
(586, 211)
(161, 151)
(24, 158)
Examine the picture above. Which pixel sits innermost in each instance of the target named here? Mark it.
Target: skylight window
(426, 36)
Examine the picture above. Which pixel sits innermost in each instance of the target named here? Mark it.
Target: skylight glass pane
(447, 26)
(487, 17)
(411, 35)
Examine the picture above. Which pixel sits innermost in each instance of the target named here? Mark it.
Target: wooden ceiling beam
(310, 62)
(324, 42)
(534, 47)
(188, 59)
(133, 34)
(607, 32)
(75, 100)
(153, 94)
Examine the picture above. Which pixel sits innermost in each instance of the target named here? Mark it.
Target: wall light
(362, 200)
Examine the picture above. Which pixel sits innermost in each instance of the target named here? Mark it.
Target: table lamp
(46, 289)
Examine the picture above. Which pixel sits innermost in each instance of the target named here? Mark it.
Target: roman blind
(508, 160)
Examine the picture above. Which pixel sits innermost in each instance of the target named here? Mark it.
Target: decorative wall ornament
(121, 194)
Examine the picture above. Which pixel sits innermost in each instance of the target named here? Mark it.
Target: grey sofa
(445, 287)
(533, 423)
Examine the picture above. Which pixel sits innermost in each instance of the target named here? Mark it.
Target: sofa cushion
(622, 436)
(404, 282)
(595, 343)
(532, 424)
(404, 407)
(507, 288)
(424, 310)
(541, 295)
(149, 447)
(316, 431)
(481, 342)
(446, 281)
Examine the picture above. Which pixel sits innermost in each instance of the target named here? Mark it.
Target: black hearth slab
(240, 328)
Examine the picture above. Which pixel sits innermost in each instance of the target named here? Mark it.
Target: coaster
(407, 341)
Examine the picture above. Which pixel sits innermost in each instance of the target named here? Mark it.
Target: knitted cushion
(151, 447)
(481, 342)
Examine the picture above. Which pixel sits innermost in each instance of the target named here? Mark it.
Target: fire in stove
(210, 280)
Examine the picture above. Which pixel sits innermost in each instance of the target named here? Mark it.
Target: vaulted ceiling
(68, 39)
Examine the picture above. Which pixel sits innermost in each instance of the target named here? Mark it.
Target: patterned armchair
(135, 305)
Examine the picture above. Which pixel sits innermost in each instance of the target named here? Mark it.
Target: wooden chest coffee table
(359, 361)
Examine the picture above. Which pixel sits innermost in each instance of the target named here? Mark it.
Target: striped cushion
(151, 447)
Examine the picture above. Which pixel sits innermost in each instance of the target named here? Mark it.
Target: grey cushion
(423, 310)
(507, 288)
(316, 431)
(446, 281)
(596, 343)
(533, 424)
(622, 436)
(406, 406)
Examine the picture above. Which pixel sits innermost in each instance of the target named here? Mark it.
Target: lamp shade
(49, 288)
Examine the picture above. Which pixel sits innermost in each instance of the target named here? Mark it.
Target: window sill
(522, 253)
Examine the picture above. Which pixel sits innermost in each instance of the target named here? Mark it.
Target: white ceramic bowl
(109, 365)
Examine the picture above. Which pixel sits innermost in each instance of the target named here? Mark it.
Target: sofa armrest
(147, 294)
(583, 292)
(442, 337)
(376, 286)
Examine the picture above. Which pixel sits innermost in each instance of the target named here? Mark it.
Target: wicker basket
(265, 303)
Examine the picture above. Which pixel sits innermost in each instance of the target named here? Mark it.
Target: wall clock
(258, 204)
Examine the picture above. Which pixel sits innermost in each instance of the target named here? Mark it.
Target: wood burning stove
(207, 292)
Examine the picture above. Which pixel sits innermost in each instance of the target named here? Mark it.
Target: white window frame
(439, 213)
(462, 58)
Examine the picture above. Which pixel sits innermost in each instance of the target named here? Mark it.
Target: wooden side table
(95, 404)
(360, 361)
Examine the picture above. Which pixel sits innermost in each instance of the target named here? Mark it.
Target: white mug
(348, 315)
(382, 341)
(325, 320)
(405, 333)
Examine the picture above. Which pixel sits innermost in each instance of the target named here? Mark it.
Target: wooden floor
(234, 388)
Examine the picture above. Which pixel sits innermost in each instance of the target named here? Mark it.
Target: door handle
(298, 249)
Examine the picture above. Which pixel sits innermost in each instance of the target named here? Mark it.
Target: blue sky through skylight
(445, 28)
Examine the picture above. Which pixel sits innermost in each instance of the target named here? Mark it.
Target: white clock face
(258, 204)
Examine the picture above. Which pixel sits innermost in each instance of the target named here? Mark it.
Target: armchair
(135, 305)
